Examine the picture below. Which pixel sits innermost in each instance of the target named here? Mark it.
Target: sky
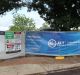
(6, 20)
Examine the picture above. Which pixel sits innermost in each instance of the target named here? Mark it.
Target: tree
(21, 23)
(62, 15)
(7, 5)
(44, 26)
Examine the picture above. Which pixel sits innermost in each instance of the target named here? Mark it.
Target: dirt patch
(39, 60)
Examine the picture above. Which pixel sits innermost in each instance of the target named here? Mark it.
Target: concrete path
(26, 69)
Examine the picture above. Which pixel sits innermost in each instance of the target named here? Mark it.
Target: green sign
(9, 35)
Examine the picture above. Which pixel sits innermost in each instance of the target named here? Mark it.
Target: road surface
(74, 71)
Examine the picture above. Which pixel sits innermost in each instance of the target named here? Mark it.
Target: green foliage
(21, 23)
(7, 5)
(62, 15)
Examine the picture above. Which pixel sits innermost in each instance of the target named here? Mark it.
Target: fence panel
(11, 44)
(53, 43)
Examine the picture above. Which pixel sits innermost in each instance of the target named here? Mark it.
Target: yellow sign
(59, 58)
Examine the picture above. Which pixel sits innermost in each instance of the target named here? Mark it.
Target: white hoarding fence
(11, 44)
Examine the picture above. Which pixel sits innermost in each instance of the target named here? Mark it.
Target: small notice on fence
(13, 42)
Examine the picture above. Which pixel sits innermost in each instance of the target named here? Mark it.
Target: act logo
(52, 43)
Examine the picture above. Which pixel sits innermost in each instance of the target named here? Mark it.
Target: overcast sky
(7, 20)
